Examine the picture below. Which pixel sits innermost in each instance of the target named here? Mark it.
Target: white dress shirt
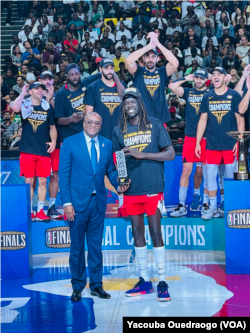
(89, 145)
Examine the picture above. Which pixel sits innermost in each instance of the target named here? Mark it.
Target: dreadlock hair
(143, 123)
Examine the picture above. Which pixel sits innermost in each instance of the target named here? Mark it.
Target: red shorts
(140, 204)
(34, 165)
(219, 157)
(55, 160)
(188, 154)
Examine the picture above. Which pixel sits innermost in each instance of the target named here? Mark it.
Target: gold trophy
(243, 173)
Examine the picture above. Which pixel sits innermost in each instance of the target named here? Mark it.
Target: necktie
(93, 156)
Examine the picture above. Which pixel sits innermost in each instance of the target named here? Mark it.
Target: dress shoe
(99, 292)
(76, 295)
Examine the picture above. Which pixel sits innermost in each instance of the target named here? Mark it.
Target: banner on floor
(181, 234)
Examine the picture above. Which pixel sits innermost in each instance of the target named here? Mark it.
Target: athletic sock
(40, 205)
(183, 195)
(120, 197)
(52, 201)
(205, 198)
(197, 191)
(141, 255)
(213, 202)
(31, 205)
(159, 253)
(222, 197)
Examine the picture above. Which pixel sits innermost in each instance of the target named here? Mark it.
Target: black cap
(46, 73)
(220, 69)
(71, 66)
(202, 72)
(36, 85)
(154, 51)
(131, 92)
(106, 62)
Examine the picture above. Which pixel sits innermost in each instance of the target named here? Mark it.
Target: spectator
(93, 34)
(5, 90)
(29, 77)
(242, 50)
(8, 6)
(75, 33)
(51, 55)
(33, 66)
(81, 15)
(39, 45)
(236, 16)
(140, 21)
(57, 46)
(122, 32)
(34, 24)
(123, 74)
(20, 83)
(175, 17)
(8, 127)
(126, 22)
(29, 50)
(225, 25)
(57, 83)
(187, 52)
(209, 36)
(16, 140)
(86, 63)
(175, 126)
(62, 25)
(215, 56)
(159, 6)
(40, 34)
(173, 27)
(226, 48)
(111, 9)
(13, 94)
(16, 42)
(178, 74)
(84, 74)
(189, 37)
(95, 14)
(98, 51)
(206, 17)
(68, 54)
(84, 41)
(110, 34)
(138, 39)
(242, 25)
(193, 56)
(234, 78)
(162, 22)
(25, 35)
(117, 60)
(49, 8)
(128, 7)
(45, 24)
(106, 42)
(111, 52)
(221, 10)
(170, 10)
(226, 34)
(191, 70)
(56, 32)
(61, 13)
(230, 61)
(80, 25)
(71, 42)
(246, 60)
(196, 28)
(190, 17)
(207, 26)
(9, 65)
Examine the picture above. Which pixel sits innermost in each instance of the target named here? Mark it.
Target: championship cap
(131, 92)
(71, 66)
(37, 84)
(220, 69)
(154, 51)
(46, 73)
(106, 62)
(202, 72)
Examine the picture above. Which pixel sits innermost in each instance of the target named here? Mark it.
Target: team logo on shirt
(139, 140)
(111, 101)
(219, 110)
(37, 118)
(195, 102)
(77, 103)
(152, 83)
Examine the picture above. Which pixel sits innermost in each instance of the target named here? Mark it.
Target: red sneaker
(33, 216)
(122, 212)
(41, 216)
(64, 217)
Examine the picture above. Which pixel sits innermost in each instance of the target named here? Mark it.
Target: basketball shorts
(55, 160)
(219, 157)
(188, 154)
(34, 165)
(140, 204)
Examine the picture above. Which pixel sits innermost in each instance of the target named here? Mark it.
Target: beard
(202, 86)
(108, 78)
(74, 84)
(149, 66)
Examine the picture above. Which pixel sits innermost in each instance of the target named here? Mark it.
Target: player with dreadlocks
(147, 145)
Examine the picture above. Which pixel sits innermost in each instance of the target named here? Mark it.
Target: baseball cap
(36, 85)
(71, 66)
(98, 60)
(46, 73)
(54, 24)
(154, 51)
(220, 69)
(172, 109)
(131, 92)
(202, 72)
(106, 62)
(7, 110)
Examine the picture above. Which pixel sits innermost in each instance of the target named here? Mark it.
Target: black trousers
(6, 4)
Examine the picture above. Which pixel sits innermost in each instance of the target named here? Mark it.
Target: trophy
(121, 168)
(242, 137)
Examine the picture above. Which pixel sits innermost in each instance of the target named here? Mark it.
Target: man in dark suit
(85, 159)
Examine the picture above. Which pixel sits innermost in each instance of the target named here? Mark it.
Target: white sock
(141, 255)
(40, 205)
(52, 201)
(222, 197)
(31, 205)
(159, 253)
(197, 191)
(205, 198)
(183, 195)
(213, 202)
(120, 197)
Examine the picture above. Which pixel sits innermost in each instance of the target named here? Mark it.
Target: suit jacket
(76, 175)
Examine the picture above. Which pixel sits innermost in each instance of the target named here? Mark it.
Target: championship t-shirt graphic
(147, 176)
(221, 111)
(193, 99)
(152, 83)
(111, 101)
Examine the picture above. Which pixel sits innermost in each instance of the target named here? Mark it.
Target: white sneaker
(204, 207)
(7, 25)
(179, 211)
(209, 213)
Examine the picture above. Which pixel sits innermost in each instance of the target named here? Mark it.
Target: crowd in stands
(56, 33)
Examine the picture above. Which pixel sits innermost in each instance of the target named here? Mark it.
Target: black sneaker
(53, 213)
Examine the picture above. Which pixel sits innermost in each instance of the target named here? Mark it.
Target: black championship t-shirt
(147, 177)
(193, 100)
(221, 111)
(36, 129)
(106, 102)
(152, 86)
(68, 102)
